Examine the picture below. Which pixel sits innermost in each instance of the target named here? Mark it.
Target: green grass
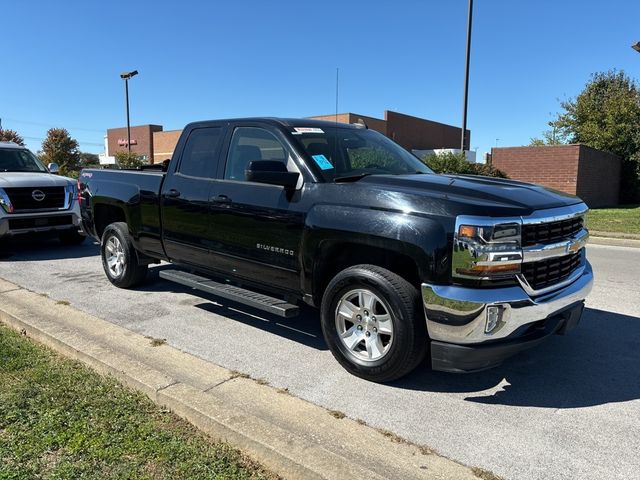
(623, 219)
(60, 420)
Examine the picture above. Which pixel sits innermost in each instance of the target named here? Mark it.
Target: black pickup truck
(402, 262)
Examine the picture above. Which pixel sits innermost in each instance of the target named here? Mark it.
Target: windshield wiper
(351, 178)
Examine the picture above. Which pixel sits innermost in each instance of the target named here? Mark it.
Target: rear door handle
(221, 199)
(173, 193)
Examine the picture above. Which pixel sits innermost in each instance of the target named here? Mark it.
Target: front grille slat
(22, 198)
(545, 233)
(546, 273)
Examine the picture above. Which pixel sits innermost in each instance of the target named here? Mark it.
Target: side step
(273, 305)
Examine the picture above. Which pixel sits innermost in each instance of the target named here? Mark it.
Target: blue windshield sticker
(322, 162)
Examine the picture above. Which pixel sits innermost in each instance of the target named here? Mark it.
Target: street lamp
(466, 77)
(636, 47)
(126, 76)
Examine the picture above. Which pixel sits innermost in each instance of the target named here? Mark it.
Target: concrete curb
(292, 437)
(614, 242)
(632, 236)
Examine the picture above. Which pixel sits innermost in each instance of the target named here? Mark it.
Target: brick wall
(141, 134)
(591, 174)
(412, 133)
(164, 143)
(598, 177)
(376, 124)
(415, 133)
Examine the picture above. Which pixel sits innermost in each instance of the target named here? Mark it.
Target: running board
(273, 305)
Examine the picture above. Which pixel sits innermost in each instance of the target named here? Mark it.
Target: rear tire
(71, 237)
(120, 258)
(373, 323)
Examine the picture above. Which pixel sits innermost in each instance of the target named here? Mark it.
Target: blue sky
(204, 59)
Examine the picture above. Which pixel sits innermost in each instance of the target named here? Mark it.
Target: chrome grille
(22, 198)
(546, 273)
(545, 233)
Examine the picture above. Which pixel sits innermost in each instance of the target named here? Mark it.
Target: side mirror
(271, 172)
(53, 168)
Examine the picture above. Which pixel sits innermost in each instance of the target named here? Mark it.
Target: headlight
(5, 203)
(71, 194)
(486, 252)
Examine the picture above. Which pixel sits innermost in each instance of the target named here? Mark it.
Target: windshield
(351, 152)
(18, 160)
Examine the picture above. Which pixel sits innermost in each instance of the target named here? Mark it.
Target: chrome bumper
(458, 315)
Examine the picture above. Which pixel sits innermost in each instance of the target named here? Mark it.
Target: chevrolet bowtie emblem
(576, 245)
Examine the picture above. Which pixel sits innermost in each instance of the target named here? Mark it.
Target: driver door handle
(221, 199)
(173, 193)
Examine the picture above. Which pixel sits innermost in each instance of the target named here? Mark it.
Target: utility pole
(466, 77)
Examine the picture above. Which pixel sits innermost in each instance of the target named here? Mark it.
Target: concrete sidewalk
(290, 436)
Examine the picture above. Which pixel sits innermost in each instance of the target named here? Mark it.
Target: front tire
(119, 257)
(373, 323)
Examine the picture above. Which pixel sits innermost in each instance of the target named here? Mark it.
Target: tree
(58, 147)
(7, 135)
(128, 160)
(456, 163)
(89, 159)
(549, 137)
(606, 116)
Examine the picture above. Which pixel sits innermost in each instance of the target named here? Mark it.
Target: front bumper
(38, 222)
(458, 327)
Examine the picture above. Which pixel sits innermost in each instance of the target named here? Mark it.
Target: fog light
(494, 315)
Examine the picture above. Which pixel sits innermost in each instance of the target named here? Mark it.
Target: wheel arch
(105, 214)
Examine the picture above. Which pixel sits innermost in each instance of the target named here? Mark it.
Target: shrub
(456, 163)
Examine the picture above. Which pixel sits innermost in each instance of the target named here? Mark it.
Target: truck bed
(135, 193)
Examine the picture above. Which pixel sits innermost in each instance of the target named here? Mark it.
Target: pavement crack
(208, 389)
(175, 382)
(12, 290)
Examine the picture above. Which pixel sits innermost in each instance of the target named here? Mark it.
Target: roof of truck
(285, 122)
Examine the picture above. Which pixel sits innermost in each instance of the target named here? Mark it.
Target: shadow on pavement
(304, 329)
(38, 248)
(596, 364)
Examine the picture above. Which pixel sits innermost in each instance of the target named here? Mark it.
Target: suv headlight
(486, 252)
(5, 202)
(71, 194)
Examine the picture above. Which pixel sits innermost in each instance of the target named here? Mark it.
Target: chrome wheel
(364, 325)
(114, 254)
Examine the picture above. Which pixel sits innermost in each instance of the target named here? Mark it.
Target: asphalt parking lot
(568, 409)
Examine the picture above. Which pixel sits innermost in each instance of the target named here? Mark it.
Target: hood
(33, 179)
(476, 193)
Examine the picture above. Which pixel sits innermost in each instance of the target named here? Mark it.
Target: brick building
(164, 143)
(142, 137)
(591, 174)
(412, 133)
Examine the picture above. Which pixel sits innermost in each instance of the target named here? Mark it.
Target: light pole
(466, 77)
(126, 76)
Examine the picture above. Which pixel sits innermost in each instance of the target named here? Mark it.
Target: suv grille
(545, 273)
(546, 233)
(22, 198)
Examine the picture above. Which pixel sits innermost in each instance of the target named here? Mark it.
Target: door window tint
(200, 152)
(249, 144)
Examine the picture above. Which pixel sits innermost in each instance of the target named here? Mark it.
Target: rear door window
(200, 156)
